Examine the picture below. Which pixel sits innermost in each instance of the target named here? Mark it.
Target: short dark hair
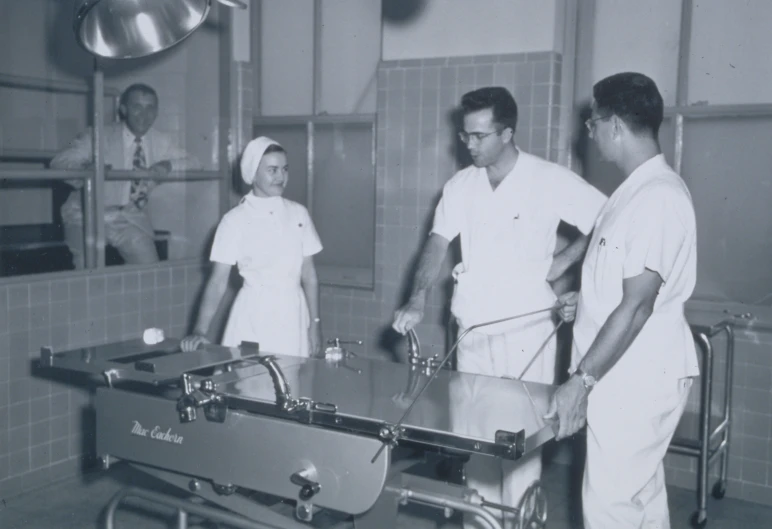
(634, 98)
(274, 148)
(137, 87)
(498, 99)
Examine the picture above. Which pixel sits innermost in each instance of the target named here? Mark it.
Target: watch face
(589, 380)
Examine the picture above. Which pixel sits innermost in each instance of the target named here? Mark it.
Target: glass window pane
(727, 165)
(344, 201)
(32, 239)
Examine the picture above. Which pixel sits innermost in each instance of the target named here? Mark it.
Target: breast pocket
(608, 257)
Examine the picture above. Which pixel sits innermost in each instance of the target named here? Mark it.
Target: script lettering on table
(156, 433)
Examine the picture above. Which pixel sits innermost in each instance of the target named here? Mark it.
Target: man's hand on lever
(193, 342)
(408, 316)
(567, 306)
(569, 407)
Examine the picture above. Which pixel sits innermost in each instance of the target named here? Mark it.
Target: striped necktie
(139, 188)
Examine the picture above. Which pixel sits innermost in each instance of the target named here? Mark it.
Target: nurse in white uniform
(272, 240)
(634, 357)
(506, 208)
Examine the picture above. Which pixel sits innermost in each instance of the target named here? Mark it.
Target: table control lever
(308, 488)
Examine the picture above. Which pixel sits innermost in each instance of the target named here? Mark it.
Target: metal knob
(413, 347)
(308, 487)
(188, 414)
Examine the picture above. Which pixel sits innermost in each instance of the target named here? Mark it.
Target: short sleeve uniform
(508, 235)
(268, 239)
(648, 223)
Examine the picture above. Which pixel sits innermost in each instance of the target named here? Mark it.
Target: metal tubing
(50, 85)
(684, 450)
(678, 153)
(174, 176)
(444, 501)
(728, 398)
(98, 251)
(182, 519)
(719, 431)
(316, 88)
(721, 111)
(719, 451)
(684, 43)
(310, 131)
(44, 174)
(707, 386)
(183, 508)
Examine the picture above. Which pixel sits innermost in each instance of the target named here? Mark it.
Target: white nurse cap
(250, 160)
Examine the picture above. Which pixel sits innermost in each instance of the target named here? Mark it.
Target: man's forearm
(574, 252)
(614, 338)
(429, 265)
(564, 259)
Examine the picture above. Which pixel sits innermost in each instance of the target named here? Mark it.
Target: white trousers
(630, 424)
(504, 355)
(127, 229)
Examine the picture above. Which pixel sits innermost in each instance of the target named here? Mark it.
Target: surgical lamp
(128, 29)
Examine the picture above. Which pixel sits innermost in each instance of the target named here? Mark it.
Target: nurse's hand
(567, 303)
(193, 342)
(408, 316)
(569, 407)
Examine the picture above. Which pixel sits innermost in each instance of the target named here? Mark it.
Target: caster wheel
(719, 490)
(699, 520)
(533, 508)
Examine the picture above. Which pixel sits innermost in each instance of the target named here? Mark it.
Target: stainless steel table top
(462, 404)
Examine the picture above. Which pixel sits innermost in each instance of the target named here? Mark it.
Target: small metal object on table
(711, 444)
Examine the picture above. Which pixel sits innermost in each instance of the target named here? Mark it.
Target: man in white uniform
(131, 144)
(633, 355)
(506, 208)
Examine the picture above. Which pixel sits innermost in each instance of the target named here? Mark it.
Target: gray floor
(78, 503)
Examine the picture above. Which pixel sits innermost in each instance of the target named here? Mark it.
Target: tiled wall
(43, 424)
(415, 157)
(750, 454)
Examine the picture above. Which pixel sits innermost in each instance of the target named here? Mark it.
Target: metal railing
(93, 179)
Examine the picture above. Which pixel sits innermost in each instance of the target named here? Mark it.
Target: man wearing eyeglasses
(633, 356)
(506, 208)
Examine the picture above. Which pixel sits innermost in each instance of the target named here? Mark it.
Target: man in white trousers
(633, 356)
(506, 208)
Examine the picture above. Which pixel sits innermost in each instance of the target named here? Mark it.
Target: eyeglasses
(590, 123)
(478, 136)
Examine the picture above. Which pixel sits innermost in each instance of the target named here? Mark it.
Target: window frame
(334, 276)
(93, 179)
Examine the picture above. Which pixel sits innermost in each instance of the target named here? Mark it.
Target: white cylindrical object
(153, 336)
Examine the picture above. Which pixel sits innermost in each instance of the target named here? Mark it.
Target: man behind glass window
(131, 144)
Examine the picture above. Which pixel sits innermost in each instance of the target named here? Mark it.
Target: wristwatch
(587, 380)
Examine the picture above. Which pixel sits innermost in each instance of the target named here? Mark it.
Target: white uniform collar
(262, 203)
(654, 165)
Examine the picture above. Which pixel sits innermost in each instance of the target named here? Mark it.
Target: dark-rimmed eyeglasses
(465, 136)
(590, 123)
